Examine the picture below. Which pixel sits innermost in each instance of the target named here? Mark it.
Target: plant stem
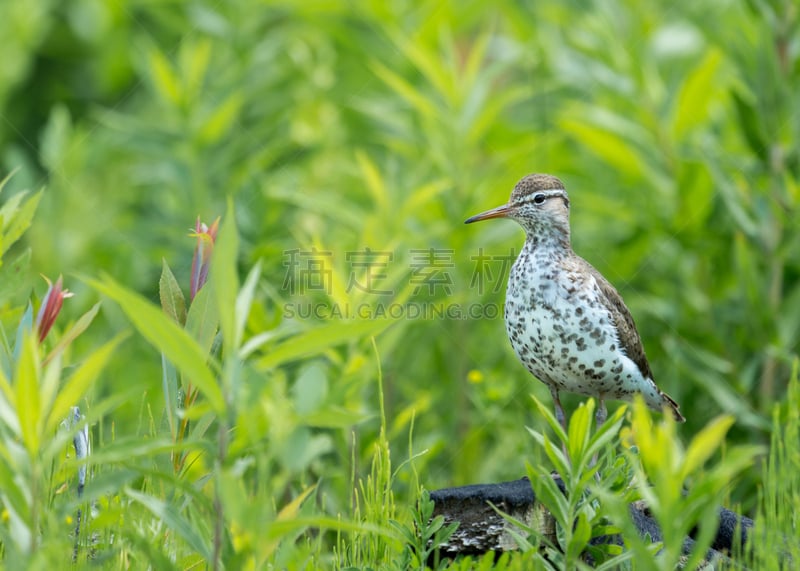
(219, 523)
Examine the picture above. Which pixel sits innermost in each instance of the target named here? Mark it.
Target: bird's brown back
(623, 320)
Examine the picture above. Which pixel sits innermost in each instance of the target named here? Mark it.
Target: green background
(345, 125)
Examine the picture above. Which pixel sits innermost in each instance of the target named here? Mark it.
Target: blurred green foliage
(344, 125)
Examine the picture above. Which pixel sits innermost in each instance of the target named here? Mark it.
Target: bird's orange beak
(499, 212)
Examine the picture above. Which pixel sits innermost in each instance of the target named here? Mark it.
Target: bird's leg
(562, 420)
(601, 414)
(600, 418)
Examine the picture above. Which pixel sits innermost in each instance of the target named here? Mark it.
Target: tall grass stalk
(774, 541)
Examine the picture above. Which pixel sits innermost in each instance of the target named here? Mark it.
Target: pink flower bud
(51, 306)
(202, 254)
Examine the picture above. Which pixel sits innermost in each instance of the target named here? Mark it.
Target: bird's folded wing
(623, 320)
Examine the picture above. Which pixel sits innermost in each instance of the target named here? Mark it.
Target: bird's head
(539, 203)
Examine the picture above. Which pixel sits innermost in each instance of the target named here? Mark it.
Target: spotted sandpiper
(566, 322)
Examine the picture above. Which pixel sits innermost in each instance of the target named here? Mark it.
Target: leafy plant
(679, 491)
(587, 466)
(602, 476)
(40, 390)
(423, 537)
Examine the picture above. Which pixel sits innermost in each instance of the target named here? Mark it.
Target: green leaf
(174, 520)
(172, 300)
(310, 389)
(19, 222)
(372, 180)
(750, 123)
(219, 122)
(607, 432)
(404, 89)
(169, 386)
(431, 64)
(48, 386)
(550, 418)
(705, 443)
(581, 534)
(201, 425)
(55, 138)
(134, 448)
(244, 301)
(15, 274)
(320, 339)
(194, 57)
(23, 329)
(556, 456)
(80, 380)
(549, 495)
(225, 279)
(286, 521)
(164, 78)
(579, 428)
(80, 326)
(166, 336)
(560, 461)
(150, 551)
(617, 561)
(5, 181)
(334, 417)
(27, 396)
(202, 319)
(697, 94)
(8, 413)
(106, 483)
(734, 199)
(620, 153)
(10, 208)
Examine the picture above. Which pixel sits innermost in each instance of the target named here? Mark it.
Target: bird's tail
(671, 404)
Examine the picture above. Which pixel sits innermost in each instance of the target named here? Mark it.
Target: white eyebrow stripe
(551, 193)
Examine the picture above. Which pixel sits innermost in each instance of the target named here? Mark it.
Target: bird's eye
(538, 199)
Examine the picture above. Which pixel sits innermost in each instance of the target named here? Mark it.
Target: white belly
(568, 340)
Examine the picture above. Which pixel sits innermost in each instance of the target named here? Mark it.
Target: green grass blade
(319, 339)
(174, 520)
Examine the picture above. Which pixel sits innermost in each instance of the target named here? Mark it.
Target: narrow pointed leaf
(244, 300)
(24, 327)
(78, 383)
(578, 429)
(168, 337)
(581, 534)
(320, 339)
(80, 326)
(20, 222)
(26, 385)
(554, 454)
(202, 320)
(49, 381)
(8, 414)
(172, 300)
(169, 386)
(705, 443)
(225, 278)
(550, 496)
(14, 274)
(173, 520)
(551, 419)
